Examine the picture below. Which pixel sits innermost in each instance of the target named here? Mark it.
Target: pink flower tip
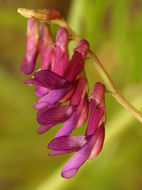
(62, 38)
(98, 92)
(82, 47)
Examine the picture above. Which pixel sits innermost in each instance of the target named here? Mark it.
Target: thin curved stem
(103, 73)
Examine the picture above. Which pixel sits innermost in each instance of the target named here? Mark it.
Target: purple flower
(88, 145)
(29, 61)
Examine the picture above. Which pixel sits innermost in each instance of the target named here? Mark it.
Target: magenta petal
(95, 117)
(32, 81)
(78, 59)
(44, 128)
(41, 91)
(99, 142)
(76, 98)
(68, 126)
(29, 61)
(50, 79)
(82, 47)
(76, 65)
(84, 153)
(82, 111)
(68, 143)
(55, 115)
(52, 97)
(76, 161)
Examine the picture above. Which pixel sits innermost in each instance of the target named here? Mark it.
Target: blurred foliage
(114, 31)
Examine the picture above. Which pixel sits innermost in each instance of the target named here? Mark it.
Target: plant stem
(103, 73)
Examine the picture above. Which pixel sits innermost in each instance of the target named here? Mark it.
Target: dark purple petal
(78, 60)
(50, 79)
(29, 61)
(76, 65)
(76, 98)
(68, 143)
(52, 97)
(96, 116)
(55, 115)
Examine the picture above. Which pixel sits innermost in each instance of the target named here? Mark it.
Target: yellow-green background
(114, 31)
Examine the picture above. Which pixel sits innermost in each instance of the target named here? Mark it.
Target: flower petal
(55, 115)
(68, 143)
(76, 98)
(50, 79)
(76, 161)
(78, 59)
(99, 142)
(52, 97)
(82, 110)
(95, 117)
(91, 148)
(76, 65)
(41, 91)
(68, 126)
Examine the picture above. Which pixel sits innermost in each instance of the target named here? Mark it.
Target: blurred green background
(114, 31)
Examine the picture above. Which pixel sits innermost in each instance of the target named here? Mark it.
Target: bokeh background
(114, 31)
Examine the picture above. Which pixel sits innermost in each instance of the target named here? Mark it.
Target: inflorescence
(61, 86)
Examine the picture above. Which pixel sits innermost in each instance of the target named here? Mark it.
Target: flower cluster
(61, 86)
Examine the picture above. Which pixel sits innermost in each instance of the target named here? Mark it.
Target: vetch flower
(60, 80)
(88, 145)
(29, 61)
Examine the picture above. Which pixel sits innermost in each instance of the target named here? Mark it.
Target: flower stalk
(56, 19)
